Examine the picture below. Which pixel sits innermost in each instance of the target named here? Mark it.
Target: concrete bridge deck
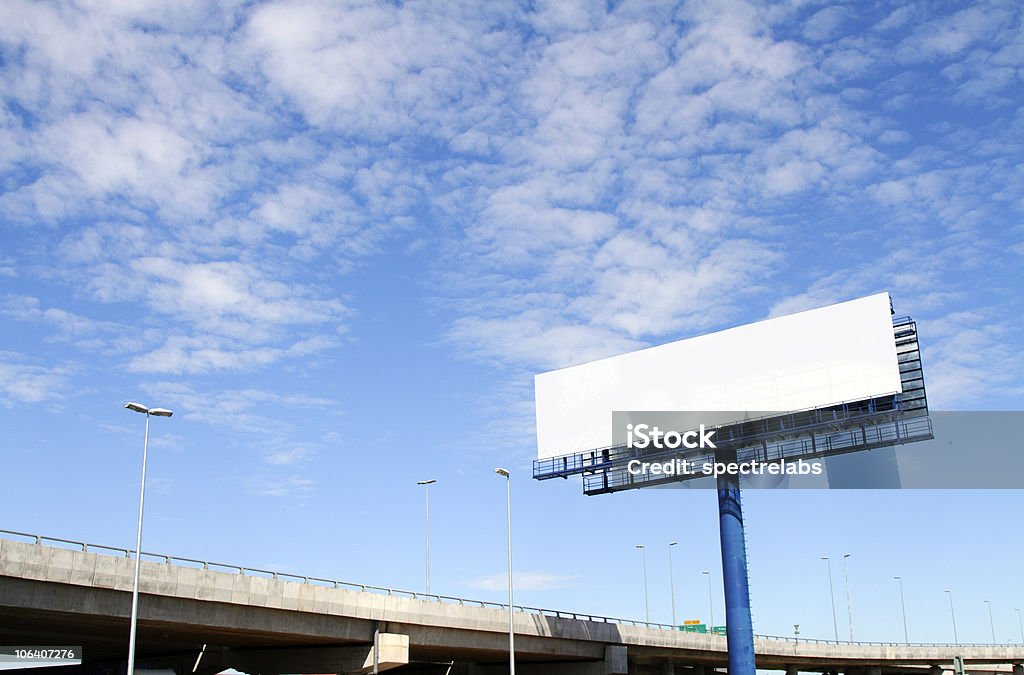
(261, 624)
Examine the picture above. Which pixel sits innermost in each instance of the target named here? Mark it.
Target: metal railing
(57, 542)
(769, 427)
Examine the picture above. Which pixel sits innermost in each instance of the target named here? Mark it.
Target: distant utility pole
(903, 608)
(832, 596)
(647, 606)
(711, 602)
(672, 582)
(426, 490)
(849, 605)
(952, 614)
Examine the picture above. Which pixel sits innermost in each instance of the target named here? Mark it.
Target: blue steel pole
(739, 626)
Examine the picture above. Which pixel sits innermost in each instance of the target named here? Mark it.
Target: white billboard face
(822, 357)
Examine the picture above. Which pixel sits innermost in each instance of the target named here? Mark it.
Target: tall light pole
(672, 581)
(149, 412)
(849, 605)
(647, 607)
(832, 596)
(903, 608)
(426, 491)
(991, 623)
(952, 614)
(511, 618)
(711, 602)
(1021, 624)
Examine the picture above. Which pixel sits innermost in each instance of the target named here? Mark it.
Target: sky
(338, 239)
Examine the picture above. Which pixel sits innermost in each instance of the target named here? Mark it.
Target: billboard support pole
(739, 626)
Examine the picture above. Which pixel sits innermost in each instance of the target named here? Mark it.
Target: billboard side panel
(843, 352)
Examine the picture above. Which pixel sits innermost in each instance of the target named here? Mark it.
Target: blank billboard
(821, 357)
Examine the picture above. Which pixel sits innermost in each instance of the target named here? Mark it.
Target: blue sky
(338, 239)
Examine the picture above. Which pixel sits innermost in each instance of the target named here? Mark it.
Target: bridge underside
(173, 631)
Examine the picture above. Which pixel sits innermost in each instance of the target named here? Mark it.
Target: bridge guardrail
(368, 588)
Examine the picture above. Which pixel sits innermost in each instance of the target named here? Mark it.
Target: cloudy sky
(338, 239)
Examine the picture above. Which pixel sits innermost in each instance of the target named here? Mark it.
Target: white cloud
(263, 422)
(824, 24)
(292, 487)
(372, 69)
(539, 339)
(22, 382)
(948, 35)
(158, 139)
(559, 272)
(248, 410)
(83, 332)
(287, 457)
(601, 178)
(524, 581)
(967, 358)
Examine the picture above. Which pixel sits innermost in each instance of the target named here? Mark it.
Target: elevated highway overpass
(60, 592)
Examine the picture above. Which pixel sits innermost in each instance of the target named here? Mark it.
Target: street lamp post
(903, 609)
(991, 623)
(832, 596)
(711, 602)
(952, 614)
(148, 412)
(426, 491)
(849, 605)
(671, 581)
(647, 607)
(511, 628)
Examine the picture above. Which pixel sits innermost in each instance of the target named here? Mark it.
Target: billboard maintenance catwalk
(767, 399)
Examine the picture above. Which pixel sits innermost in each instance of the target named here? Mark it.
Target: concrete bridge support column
(616, 663)
(393, 653)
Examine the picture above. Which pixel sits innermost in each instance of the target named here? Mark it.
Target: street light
(903, 607)
(148, 412)
(511, 630)
(711, 603)
(832, 596)
(849, 605)
(647, 607)
(991, 623)
(426, 491)
(671, 581)
(952, 614)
